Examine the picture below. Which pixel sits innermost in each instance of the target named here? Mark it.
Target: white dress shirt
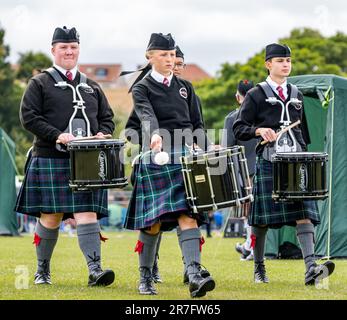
(159, 77)
(274, 86)
(63, 71)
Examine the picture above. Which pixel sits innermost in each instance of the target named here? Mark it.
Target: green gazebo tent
(325, 100)
(8, 220)
(326, 111)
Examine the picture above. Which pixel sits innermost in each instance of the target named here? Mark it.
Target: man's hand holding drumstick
(270, 135)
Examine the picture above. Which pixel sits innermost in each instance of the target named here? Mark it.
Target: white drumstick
(283, 131)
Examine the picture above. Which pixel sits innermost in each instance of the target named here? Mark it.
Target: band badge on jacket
(88, 89)
(183, 93)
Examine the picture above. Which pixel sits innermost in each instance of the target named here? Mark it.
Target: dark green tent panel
(325, 100)
(8, 220)
(326, 109)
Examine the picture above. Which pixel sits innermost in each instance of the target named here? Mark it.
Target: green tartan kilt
(265, 211)
(45, 189)
(158, 196)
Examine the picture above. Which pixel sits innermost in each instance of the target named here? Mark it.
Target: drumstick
(283, 130)
(105, 136)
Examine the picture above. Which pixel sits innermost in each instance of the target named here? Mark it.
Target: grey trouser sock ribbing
(259, 248)
(44, 250)
(156, 257)
(190, 240)
(89, 242)
(147, 255)
(305, 234)
(179, 231)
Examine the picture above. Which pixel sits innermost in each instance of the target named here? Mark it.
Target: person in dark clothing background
(45, 111)
(229, 140)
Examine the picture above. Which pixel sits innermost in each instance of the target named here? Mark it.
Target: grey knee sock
(259, 248)
(45, 243)
(179, 231)
(305, 234)
(156, 257)
(190, 240)
(89, 241)
(148, 250)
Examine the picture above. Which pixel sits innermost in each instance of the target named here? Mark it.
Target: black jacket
(256, 113)
(45, 111)
(169, 108)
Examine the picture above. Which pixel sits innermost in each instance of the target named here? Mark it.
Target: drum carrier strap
(294, 91)
(269, 150)
(73, 121)
(58, 78)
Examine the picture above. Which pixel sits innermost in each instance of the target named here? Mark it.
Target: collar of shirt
(274, 86)
(159, 77)
(63, 71)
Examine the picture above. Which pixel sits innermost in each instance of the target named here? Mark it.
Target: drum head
(95, 143)
(214, 154)
(316, 156)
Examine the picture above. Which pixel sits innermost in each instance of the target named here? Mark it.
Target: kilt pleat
(265, 211)
(158, 196)
(45, 189)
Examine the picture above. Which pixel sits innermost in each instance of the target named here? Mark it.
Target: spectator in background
(229, 140)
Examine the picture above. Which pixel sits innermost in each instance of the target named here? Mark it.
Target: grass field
(233, 277)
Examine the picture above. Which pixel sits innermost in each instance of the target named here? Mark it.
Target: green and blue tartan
(45, 189)
(158, 196)
(265, 211)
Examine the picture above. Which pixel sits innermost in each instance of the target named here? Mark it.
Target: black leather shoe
(260, 273)
(100, 278)
(42, 278)
(198, 286)
(203, 272)
(146, 287)
(322, 271)
(44, 275)
(146, 282)
(155, 273)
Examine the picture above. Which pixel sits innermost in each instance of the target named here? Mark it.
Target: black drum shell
(300, 176)
(96, 164)
(228, 186)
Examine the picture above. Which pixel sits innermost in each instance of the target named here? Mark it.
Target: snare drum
(216, 179)
(96, 164)
(299, 176)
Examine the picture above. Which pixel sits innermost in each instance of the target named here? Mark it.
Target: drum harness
(77, 127)
(282, 143)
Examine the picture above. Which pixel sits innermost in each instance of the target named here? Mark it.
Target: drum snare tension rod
(186, 180)
(215, 207)
(237, 191)
(244, 166)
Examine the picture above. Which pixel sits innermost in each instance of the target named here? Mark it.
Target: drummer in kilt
(165, 104)
(260, 118)
(45, 112)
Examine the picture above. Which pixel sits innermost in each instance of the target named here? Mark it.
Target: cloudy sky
(210, 32)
